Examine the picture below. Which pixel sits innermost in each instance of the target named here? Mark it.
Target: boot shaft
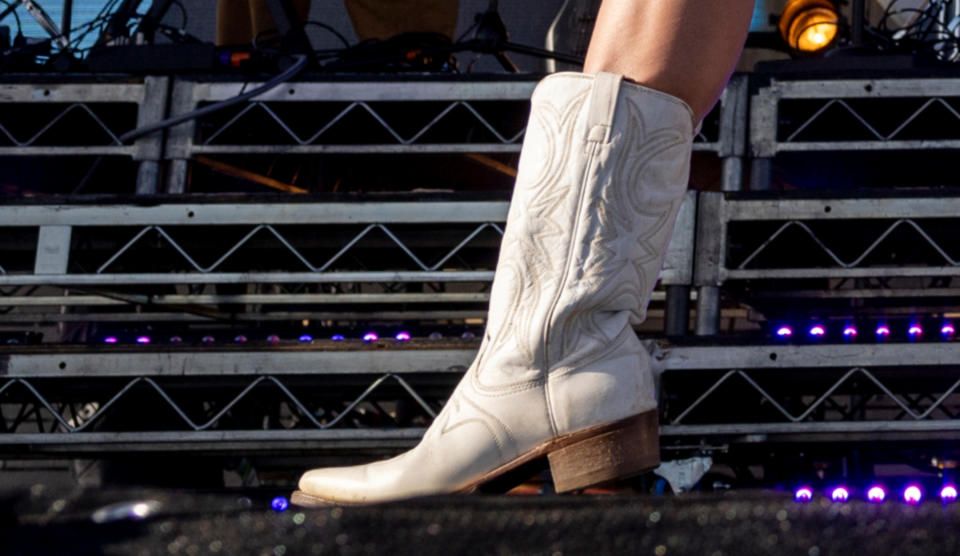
(602, 174)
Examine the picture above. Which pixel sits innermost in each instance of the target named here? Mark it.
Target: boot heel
(631, 447)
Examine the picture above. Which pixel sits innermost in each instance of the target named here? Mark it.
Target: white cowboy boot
(560, 371)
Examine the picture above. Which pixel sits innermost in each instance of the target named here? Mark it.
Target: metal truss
(72, 424)
(377, 102)
(880, 114)
(425, 116)
(297, 397)
(718, 394)
(369, 254)
(34, 117)
(828, 238)
(811, 390)
(387, 117)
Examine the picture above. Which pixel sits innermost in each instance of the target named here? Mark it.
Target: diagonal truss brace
(855, 262)
(76, 106)
(822, 399)
(879, 136)
(370, 110)
(294, 251)
(223, 411)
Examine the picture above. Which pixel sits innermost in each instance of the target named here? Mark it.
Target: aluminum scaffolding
(195, 260)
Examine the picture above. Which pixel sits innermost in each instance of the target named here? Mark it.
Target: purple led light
(948, 493)
(876, 494)
(241, 339)
(110, 340)
(817, 330)
(337, 338)
(468, 335)
(915, 330)
(306, 338)
(370, 337)
(840, 494)
(849, 332)
(784, 332)
(912, 494)
(435, 336)
(402, 336)
(882, 330)
(176, 339)
(273, 338)
(208, 339)
(948, 330)
(803, 494)
(143, 339)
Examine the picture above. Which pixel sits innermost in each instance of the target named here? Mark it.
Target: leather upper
(601, 177)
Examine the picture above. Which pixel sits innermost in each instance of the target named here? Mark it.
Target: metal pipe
(66, 19)
(677, 311)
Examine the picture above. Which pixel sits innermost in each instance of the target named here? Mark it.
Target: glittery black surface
(733, 523)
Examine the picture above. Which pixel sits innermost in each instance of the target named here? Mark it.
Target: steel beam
(279, 362)
(772, 357)
(207, 214)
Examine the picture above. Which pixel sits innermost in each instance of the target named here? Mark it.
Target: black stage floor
(732, 523)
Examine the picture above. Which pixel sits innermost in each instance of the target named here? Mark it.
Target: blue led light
(337, 338)
(876, 494)
(912, 494)
(279, 504)
(840, 494)
(948, 494)
(817, 331)
(784, 332)
(306, 338)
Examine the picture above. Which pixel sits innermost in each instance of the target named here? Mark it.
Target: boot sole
(584, 459)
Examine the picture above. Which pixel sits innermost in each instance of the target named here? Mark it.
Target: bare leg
(686, 48)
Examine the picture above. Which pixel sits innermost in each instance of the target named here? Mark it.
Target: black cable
(75, 38)
(469, 30)
(255, 42)
(289, 73)
(336, 33)
(13, 11)
(174, 33)
(286, 75)
(183, 11)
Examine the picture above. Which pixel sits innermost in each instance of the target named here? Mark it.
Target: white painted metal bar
(812, 356)
(368, 91)
(866, 88)
(67, 92)
(262, 299)
(837, 272)
(124, 362)
(401, 212)
(247, 277)
(841, 209)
